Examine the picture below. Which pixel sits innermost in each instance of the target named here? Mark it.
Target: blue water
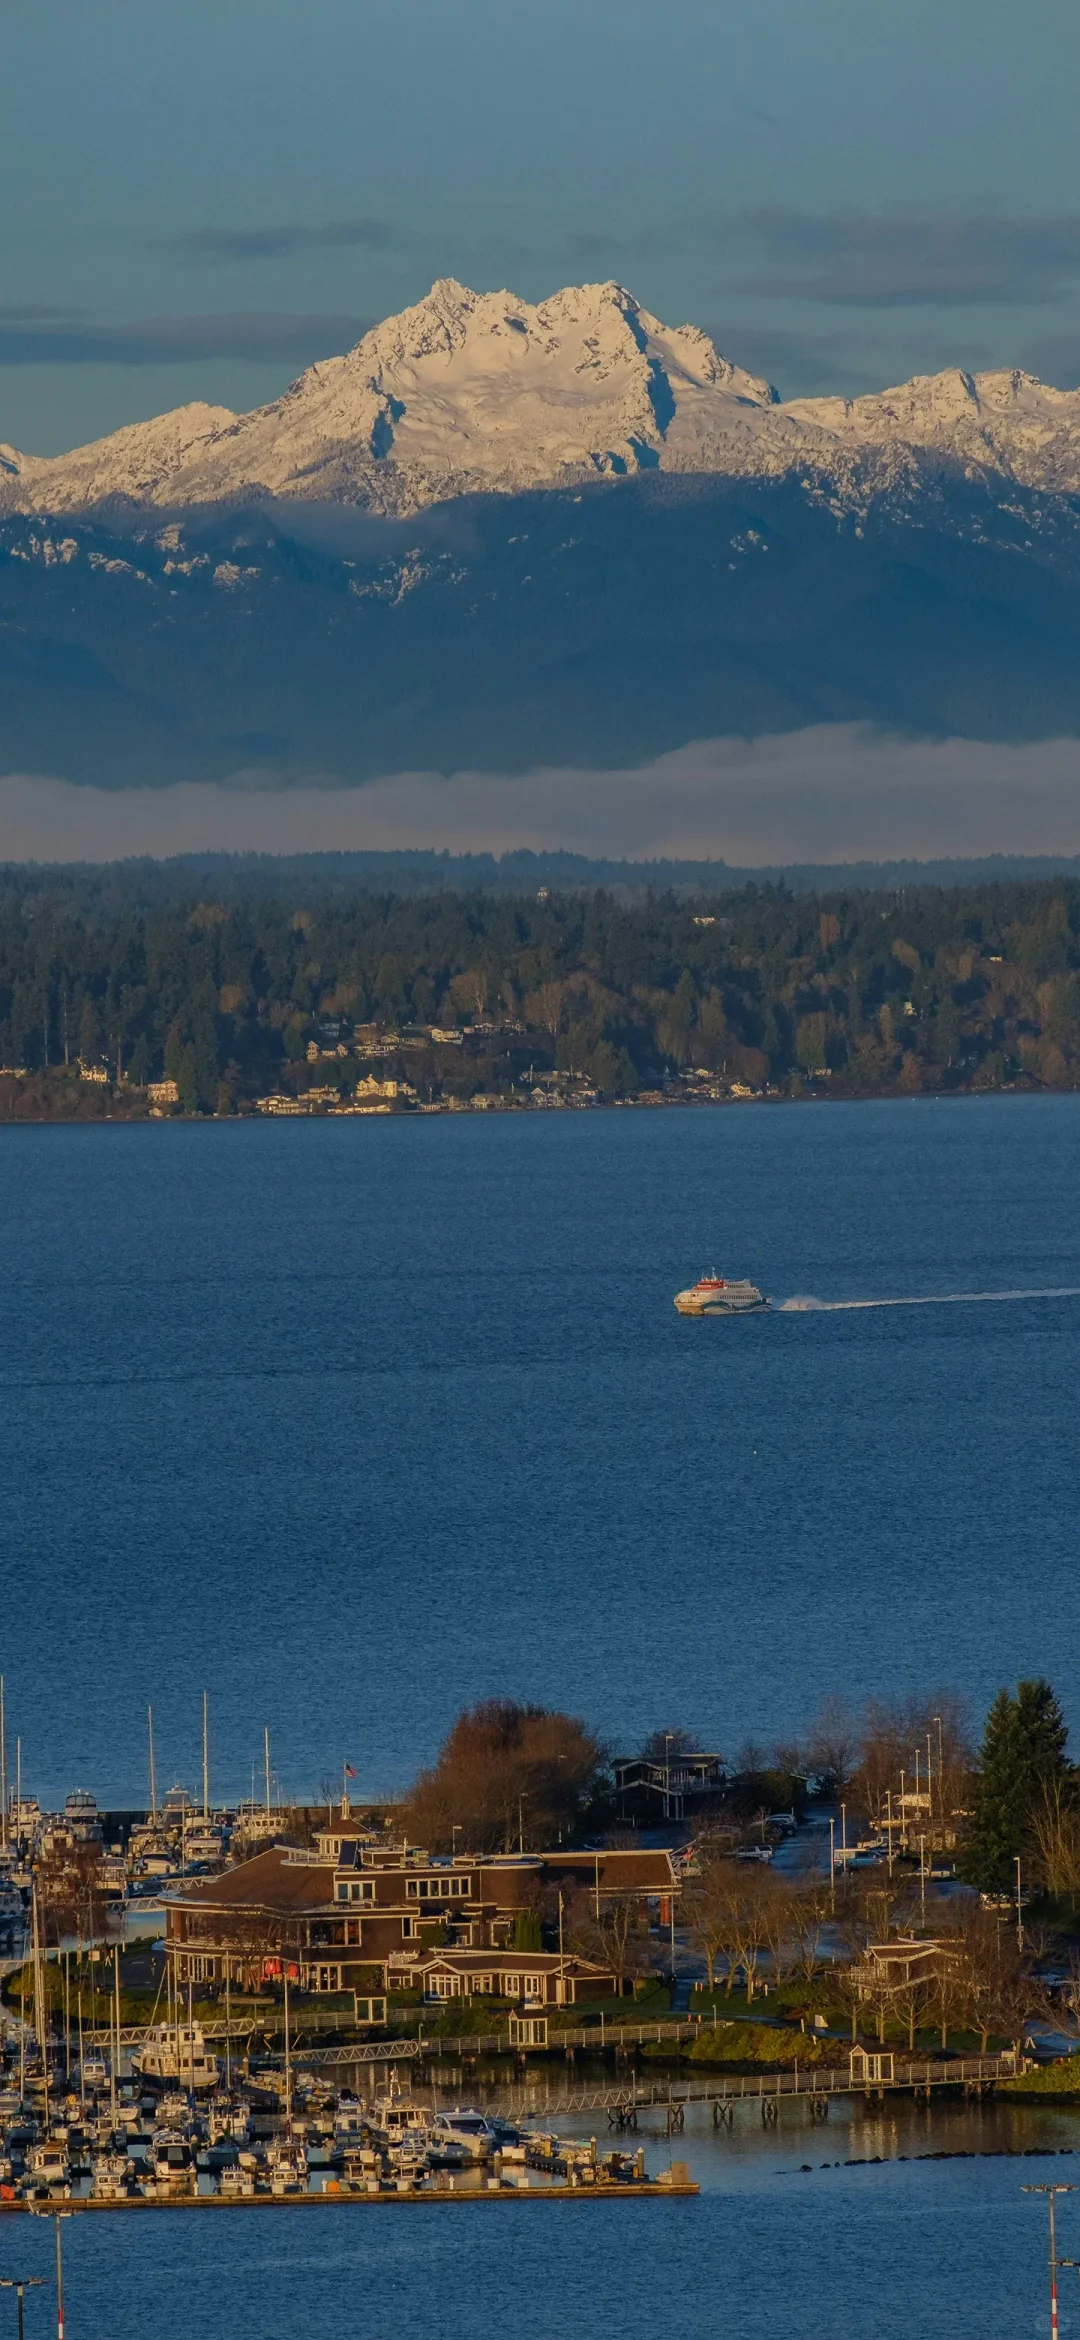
(353, 1422)
(836, 2253)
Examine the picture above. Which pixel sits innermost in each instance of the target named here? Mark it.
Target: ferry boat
(720, 1296)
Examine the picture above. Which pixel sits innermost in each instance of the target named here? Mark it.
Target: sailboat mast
(266, 1751)
(288, 2055)
(153, 1775)
(114, 2059)
(3, 1770)
(40, 2017)
(205, 1757)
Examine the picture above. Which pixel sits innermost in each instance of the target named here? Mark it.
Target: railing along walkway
(816, 2084)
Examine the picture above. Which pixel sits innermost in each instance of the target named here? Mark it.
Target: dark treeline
(856, 993)
(304, 877)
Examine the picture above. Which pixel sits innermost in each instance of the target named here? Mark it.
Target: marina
(271, 2143)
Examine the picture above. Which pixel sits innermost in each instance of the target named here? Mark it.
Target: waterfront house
(666, 1789)
(334, 1911)
(332, 1917)
(370, 1087)
(531, 1978)
(903, 1965)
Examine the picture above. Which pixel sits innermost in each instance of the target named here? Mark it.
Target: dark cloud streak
(802, 364)
(225, 245)
(260, 335)
(1055, 359)
(36, 313)
(913, 258)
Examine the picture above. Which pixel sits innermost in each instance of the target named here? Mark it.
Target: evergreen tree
(1022, 1755)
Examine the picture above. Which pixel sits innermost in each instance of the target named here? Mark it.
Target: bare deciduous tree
(707, 1907)
(1056, 1823)
(810, 1918)
(833, 1744)
(470, 990)
(507, 1775)
(545, 1008)
(610, 1928)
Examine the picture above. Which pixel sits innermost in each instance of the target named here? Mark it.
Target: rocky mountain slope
(471, 392)
(582, 627)
(563, 534)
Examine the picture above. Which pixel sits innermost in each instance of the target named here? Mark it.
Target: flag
(349, 1772)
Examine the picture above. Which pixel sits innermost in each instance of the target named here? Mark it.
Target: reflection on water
(772, 2248)
(856, 2131)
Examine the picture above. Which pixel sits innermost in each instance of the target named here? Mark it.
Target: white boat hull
(688, 1304)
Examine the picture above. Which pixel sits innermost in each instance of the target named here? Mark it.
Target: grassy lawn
(1061, 2081)
(754, 2047)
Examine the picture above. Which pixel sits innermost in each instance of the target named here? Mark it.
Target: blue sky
(200, 199)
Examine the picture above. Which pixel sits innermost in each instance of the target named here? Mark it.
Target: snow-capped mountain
(471, 392)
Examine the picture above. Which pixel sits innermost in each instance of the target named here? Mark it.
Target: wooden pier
(815, 2087)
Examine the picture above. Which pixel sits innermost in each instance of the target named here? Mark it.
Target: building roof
(485, 1961)
(286, 1878)
(621, 1868)
(278, 1879)
(905, 1950)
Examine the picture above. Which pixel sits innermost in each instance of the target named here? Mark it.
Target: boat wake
(805, 1301)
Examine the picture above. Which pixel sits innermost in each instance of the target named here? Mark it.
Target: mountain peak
(474, 392)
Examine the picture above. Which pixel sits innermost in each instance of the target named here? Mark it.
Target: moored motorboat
(462, 2134)
(172, 2055)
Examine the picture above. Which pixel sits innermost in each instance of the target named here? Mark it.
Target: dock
(815, 2087)
(637, 2190)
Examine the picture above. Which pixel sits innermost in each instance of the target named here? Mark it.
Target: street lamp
(58, 2215)
(18, 2284)
(1055, 2262)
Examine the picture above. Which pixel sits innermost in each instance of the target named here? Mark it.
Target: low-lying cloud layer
(835, 793)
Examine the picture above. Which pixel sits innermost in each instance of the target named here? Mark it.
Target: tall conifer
(1022, 1754)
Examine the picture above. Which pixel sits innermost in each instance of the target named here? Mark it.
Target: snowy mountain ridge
(466, 393)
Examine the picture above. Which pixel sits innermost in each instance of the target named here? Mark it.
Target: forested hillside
(757, 989)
